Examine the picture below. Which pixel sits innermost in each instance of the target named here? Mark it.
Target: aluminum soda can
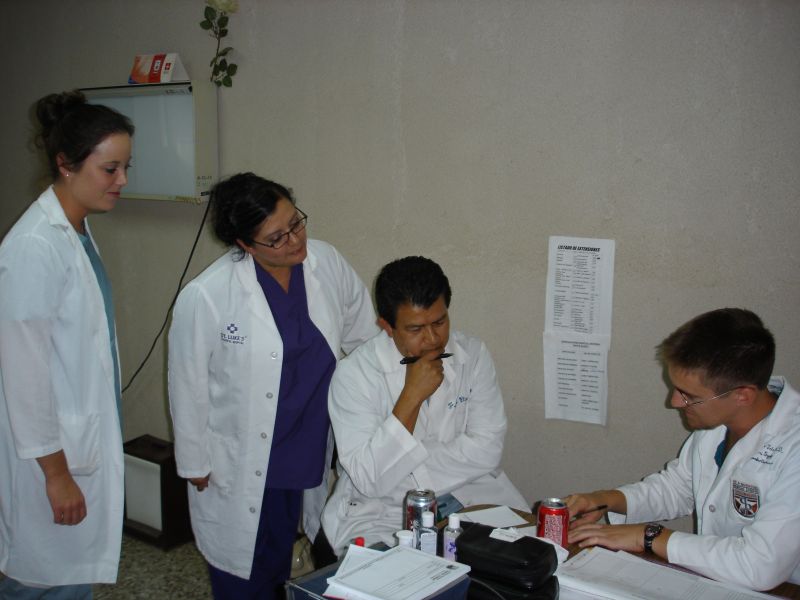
(552, 522)
(415, 503)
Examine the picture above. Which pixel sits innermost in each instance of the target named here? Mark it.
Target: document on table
(397, 574)
(577, 333)
(498, 516)
(601, 573)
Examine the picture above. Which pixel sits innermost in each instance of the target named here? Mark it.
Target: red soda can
(553, 521)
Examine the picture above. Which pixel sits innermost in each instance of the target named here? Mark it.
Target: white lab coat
(225, 360)
(760, 475)
(57, 393)
(456, 446)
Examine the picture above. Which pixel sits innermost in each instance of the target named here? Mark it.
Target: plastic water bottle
(451, 533)
(427, 534)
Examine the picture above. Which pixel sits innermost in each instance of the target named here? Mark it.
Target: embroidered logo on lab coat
(231, 335)
(745, 498)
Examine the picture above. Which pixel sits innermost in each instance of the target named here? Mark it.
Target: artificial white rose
(226, 6)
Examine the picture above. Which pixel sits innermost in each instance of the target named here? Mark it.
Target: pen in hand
(410, 360)
(580, 515)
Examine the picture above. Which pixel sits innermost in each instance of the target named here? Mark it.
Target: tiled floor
(149, 573)
(146, 571)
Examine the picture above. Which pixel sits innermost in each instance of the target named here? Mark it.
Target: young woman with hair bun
(61, 464)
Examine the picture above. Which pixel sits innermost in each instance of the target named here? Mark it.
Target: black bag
(480, 589)
(524, 565)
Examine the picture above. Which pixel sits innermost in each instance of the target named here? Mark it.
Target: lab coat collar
(782, 416)
(56, 217)
(246, 274)
(48, 201)
(52, 208)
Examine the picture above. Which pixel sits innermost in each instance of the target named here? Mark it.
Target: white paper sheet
(602, 573)
(498, 516)
(577, 336)
(397, 574)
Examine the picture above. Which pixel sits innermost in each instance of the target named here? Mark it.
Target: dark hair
(728, 346)
(240, 204)
(414, 280)
(70, 126)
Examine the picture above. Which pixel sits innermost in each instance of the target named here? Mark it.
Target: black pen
(410, 360)
(586, 512)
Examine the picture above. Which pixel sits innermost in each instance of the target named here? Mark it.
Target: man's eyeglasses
(691, 401)
(279, 240)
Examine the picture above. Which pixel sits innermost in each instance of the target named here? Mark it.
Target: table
(784, 590)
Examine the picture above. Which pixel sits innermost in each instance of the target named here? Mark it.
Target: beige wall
(470, 131)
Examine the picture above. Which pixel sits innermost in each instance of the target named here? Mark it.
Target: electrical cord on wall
(174, 299)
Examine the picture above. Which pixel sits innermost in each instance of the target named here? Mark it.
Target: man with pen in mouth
(416, 407)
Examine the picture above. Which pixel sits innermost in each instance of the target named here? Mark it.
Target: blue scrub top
(297, 457)
(108, 301)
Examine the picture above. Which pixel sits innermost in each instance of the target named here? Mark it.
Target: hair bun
(54, 107)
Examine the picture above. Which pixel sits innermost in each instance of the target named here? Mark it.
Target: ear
(244, 246)
(63, 166)
(746, 395)
(384, 324)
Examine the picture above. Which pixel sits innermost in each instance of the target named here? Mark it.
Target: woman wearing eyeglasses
(252, 347)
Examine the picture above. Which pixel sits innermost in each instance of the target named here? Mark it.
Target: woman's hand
(200, 483)
(65, 497)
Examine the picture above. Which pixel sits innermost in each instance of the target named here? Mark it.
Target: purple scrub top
(297, 457)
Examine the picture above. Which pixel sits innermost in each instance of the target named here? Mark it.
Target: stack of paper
(397, 574)
(601, 573)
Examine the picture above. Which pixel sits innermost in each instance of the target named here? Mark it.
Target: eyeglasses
(688, 402)
(279, 240)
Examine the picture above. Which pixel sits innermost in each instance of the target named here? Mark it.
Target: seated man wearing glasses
(739, 470)
(417, 406)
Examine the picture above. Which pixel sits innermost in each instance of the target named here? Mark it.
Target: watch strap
(651, 532)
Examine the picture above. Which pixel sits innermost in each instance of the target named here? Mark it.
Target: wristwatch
(651, 532)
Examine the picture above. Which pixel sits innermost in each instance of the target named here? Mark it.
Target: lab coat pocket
(223, 460)
(80, 439)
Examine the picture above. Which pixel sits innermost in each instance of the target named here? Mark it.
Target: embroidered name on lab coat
(460, 400)
(231, 336)
(767, 453)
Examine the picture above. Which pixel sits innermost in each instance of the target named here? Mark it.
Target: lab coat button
(269, 394)
(274, 355)
(712, 508)
(263, 435)
(258, 473)
(252, 509)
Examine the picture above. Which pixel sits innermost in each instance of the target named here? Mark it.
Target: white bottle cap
(454, 521)
(405, 537)
(427, 519)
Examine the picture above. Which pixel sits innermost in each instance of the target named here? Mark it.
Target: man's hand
(586, 506)
(613, 537)
(66, 498)
(423, 378)
(619, 537)
(200, 483)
